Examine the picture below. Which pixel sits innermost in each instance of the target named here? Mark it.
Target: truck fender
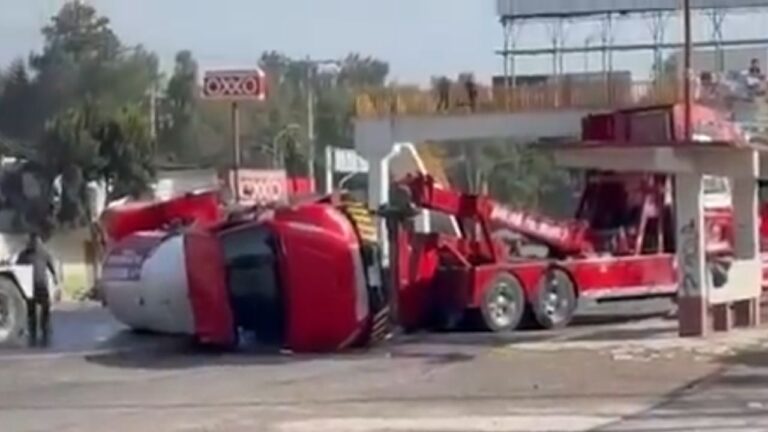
(21, 275)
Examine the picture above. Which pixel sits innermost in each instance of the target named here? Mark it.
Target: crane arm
(563, 236)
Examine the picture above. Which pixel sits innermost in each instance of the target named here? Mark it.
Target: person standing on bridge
(443, 93)
(471, 88)
(39, 307)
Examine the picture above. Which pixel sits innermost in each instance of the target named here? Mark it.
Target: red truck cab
(298, 278)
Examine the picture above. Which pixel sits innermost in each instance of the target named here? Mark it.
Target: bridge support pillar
(718, 291)
(693, 313)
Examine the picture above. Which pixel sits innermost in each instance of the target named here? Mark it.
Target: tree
(178, 137)
(81, 113)
(17, 103)
(523, 175)
(78, 31)
(68, 149)
(127, 151)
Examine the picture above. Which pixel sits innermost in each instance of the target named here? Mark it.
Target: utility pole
(236, 149)
(311, 120)
(688, 72)
(311, 100)
(153, 112)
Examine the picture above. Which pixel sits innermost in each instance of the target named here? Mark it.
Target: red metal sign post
(235, 86)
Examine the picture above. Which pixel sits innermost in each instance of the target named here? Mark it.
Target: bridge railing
(377, 103)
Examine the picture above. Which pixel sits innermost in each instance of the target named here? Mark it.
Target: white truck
(15, 290)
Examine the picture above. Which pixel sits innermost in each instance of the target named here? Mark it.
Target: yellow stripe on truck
(363, 220)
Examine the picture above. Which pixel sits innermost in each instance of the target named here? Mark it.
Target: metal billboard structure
(528, 9)
(608, 15)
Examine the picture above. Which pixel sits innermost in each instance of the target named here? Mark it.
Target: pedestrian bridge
(531, 112)
(598, 95)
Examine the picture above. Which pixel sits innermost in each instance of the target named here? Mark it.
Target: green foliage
(79, 112)
(515, 173)
(526, 176)
(275, 132)
(127, 151)
(177, 135)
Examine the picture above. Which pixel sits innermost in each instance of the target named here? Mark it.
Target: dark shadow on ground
(733, 398)
(185, 354)
(753, 358)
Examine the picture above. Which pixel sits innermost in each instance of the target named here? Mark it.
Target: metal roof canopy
(527, 9)
(707, 158)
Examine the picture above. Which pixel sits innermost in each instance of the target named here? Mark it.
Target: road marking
(520, 423)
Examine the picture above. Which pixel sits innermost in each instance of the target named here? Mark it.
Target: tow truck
(307, 276)
(619, 245)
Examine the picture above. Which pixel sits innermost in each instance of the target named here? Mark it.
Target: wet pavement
(83, 328)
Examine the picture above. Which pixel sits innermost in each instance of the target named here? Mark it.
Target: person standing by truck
(39, 306)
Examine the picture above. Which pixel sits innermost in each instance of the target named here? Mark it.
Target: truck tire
(13, 313)
(555, 300)
(503, 303)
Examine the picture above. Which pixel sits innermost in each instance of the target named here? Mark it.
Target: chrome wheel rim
(502, 306)
(555, 302)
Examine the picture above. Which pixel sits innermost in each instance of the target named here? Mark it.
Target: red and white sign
(260, 186)
(249, 84)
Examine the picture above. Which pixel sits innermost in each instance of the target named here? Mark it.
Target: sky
(419, 38)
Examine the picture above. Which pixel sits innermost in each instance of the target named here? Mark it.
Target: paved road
(447, 385)
(86, 328)
(735, 400)
(99, 377)
(459, 382)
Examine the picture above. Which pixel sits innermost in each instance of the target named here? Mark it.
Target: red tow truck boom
(566, 237)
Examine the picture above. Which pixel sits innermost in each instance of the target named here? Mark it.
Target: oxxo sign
(234, 85)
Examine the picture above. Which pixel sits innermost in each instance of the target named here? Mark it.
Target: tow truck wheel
(13, 313)
(555, 301)
(503, 303)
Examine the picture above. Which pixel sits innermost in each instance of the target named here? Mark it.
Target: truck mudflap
(208, 294)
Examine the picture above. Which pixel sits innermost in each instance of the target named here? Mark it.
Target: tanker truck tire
(503, 304)
(13, 313)
(555, 301)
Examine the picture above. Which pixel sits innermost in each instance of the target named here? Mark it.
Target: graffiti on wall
(689, 244)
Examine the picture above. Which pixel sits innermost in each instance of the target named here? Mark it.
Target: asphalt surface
(97, 376)
(80, 328)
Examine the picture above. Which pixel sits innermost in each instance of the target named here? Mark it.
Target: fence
(379, 103)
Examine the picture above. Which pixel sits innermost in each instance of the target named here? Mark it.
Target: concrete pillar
(693, 313)
(746, 307)
(746, 222)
